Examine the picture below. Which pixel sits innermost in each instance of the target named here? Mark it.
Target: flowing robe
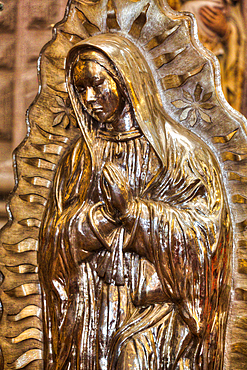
(170, 311)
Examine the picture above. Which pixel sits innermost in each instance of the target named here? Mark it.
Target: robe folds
(158, 298)
(150, 291)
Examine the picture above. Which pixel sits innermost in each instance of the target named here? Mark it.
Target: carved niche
(126, 240)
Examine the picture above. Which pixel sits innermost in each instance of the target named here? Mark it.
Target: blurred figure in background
(221, 30)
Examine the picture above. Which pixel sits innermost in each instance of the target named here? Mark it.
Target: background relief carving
(191, 96)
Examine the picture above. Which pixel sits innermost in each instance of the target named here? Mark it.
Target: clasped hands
(215, 19)
(117, 195)
(101, 222)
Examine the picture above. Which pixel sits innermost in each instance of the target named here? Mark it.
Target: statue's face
(98, 92)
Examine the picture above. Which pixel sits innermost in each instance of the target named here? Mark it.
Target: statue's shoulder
(76, 153)
(189, 143)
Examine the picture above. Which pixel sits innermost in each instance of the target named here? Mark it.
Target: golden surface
(167, 81)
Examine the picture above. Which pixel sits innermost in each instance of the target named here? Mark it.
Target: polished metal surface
(136, 233)
(125, 202)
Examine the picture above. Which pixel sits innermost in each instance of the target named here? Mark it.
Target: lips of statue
(99, 93)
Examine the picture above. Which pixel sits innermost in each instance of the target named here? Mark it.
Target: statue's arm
(182, 228)
(185, 241)
(94, 231)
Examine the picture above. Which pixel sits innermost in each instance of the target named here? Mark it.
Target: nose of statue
(90, 95)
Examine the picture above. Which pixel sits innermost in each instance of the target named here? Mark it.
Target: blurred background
(26, 26)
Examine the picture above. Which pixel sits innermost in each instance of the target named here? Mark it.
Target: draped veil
(188, 242)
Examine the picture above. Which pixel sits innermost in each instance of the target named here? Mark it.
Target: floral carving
(196, 106)
(64, 114)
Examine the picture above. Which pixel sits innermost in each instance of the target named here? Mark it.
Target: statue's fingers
(119, 186)
(114, 172)
(208, 12)
(105, 189)
(206, 17)
(111, 190)
(218, 11)
(107, 174)
(206, 22)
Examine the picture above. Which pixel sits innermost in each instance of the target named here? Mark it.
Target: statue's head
(98, 86)
(107, 75)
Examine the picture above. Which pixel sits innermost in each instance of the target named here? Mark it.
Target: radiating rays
(225, 138)
(90, 27)
(27, 358)
(167, 57)
(25, 245)
(160, 38)
(174, 80)
(111, 20)
(28, 311)
(233, 156)
(139, 23)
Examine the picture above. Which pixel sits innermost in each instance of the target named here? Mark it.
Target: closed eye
(81, 89)
(98, 82)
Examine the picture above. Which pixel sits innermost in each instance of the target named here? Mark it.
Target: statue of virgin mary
(136, 238)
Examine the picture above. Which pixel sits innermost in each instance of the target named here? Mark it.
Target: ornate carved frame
(188, 78)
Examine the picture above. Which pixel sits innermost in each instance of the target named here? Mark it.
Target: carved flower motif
(194, 107)
(64, 114)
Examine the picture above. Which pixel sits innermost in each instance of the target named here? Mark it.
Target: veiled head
(125, 64)
(98, 91)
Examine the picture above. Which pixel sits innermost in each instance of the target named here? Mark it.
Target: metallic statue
(126, 245)
(136, 233)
